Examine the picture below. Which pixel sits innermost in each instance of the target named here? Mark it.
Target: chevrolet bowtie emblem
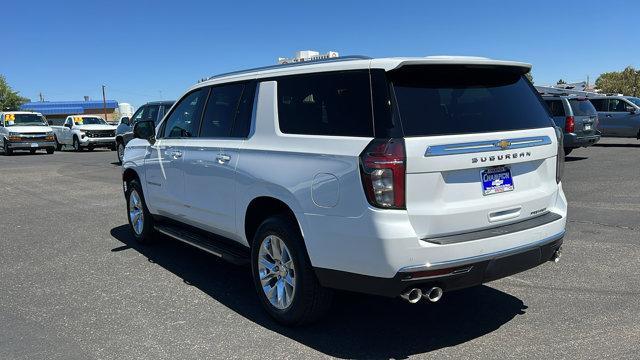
(503, 144)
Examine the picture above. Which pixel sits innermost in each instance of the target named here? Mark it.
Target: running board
(233, 254)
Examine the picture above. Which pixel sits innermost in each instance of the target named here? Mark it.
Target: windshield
(582, 107)
(91, 121)
(634, 100)
(24, 120)
(441, 100)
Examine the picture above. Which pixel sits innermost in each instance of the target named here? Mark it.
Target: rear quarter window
(582, 107)
(443, 100)
(332, 103)
(555, 107)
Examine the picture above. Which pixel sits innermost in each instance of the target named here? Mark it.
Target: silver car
(619, 116)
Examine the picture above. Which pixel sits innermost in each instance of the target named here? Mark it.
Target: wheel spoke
(276, 246)
(266, 278)
(289, 280)
(265, 263)
(269, 291)
(281, 300)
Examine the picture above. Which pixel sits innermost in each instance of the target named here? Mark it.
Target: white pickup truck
(85, 131)
(25, 130)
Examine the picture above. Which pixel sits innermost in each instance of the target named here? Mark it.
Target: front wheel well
(130, 174)
(260, 209)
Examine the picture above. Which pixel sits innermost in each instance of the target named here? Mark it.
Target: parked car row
(585, 117)
(399, 177)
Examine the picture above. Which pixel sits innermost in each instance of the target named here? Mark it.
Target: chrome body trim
(483, 257)
(485, 146)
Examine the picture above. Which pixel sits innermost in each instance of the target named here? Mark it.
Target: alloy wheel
(120, 151)
(136, 215)
(277, 272)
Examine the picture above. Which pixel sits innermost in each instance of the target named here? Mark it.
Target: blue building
(57, 111)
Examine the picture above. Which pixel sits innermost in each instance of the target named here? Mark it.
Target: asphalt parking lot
(74, 285)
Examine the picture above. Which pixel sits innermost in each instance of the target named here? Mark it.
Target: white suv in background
(401, 177)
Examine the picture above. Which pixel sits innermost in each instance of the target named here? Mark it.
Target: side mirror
(631, 109)
(125, 120)
(145, 130)
(68, 125)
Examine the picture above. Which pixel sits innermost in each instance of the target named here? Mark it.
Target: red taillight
(382, 165)
(570, 124)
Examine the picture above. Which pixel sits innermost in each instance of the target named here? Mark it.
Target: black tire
(112, 148)
(310, 300)
(58, 145)
(147, 235)
(567, 151)
(90, 148)
(76, 144)
(50, 151)
(5, 148)
(120, 151)
(32, 151)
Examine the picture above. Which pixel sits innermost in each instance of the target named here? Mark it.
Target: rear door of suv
(481, 150)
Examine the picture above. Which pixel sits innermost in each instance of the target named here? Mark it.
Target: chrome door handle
(175, 154)
(223, 158)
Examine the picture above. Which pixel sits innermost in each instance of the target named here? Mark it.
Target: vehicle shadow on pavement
(358, 326)
(617, 145)
(574, 158)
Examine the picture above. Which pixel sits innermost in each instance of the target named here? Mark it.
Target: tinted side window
(138, 115)
(556, 107)
(336, 103)
(599, 104)
(184, 120)
(151, 113)
(221, 110)
(617, 105)
(242, 125)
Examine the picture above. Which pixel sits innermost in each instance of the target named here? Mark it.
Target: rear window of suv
(582, 107)
(329, 103)
(442, 100)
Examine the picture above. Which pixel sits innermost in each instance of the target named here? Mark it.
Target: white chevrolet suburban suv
(85, 132)
(403, 177)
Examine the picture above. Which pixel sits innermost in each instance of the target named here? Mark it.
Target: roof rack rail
(294, 64)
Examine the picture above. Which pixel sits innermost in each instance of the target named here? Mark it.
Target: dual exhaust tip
(414, 295)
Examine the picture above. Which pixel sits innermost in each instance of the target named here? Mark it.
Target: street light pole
(104, 103)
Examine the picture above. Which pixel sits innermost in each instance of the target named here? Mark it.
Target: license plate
(587, 127)
(34, 145)
(496, 180)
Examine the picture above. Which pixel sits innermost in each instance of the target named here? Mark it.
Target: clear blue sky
(141, 50)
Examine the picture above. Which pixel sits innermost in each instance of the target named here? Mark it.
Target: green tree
(529, 76)
(560, 82)
(9, 99)
(625, 82)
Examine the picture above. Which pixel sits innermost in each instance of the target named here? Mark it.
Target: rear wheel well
(260, 209)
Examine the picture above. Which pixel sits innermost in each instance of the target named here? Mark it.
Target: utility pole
(104, 103)
(41, 97)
